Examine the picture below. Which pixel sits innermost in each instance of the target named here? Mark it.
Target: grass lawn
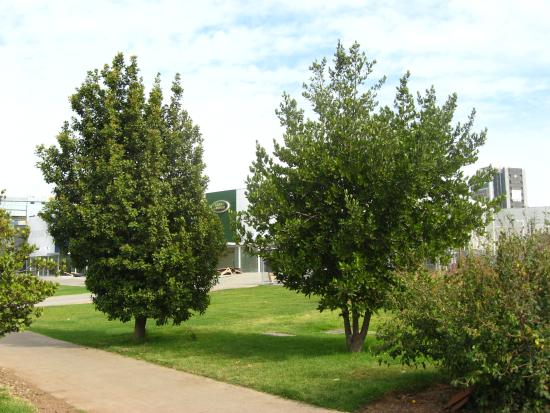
(9, 404)
(70, 290)
(227, 344)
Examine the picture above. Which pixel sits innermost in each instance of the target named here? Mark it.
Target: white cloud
(236, 58)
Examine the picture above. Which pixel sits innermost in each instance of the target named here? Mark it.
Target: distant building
(20, 209)
(521, 220)
(510, 184)
(24, 213)
(512, 220)
(223, 203)
(515, 216)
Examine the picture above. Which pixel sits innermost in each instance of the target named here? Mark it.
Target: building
(512, 220)
(510, 184)
(20, 209)
(224, 203)
(24, 213)
(520, 220)
(515, 216)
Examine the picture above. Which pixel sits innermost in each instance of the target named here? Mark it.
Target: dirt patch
(432, 400)
(44, 402)
(276, 334)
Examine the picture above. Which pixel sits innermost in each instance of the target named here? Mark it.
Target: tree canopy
(129, 202)
(359, 192)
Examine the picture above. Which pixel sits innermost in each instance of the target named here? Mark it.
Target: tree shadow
(213, 342)
(29, 339)
(256, 345)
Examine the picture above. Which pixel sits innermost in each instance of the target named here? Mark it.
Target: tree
(129, 199)
(19, 291)
(45, 265)
(361, 192)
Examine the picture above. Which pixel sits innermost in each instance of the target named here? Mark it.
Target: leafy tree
(129, 199)
(44, 264)
(487, 324)
(359, 192)
(19, 291)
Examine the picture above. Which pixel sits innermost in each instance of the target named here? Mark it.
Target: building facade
(225, 204)
(24, 213)
(510, 184)
(512, 221)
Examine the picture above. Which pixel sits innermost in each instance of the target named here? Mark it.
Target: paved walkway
(225, 283)
(65, 280)
(100, 382)
(66, 300)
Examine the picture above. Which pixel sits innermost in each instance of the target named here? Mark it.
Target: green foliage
(487, 324)
(10, 404)
(359, 191)
(63, 266)
(129, 198)
(19, 291)
(44, 264)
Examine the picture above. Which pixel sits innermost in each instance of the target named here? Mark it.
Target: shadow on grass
(203, 342)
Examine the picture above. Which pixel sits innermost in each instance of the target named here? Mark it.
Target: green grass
(227, 344)
(9, 404)
(70, 290)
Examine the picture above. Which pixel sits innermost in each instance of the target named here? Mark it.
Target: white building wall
(513, 220)
(39, 237)
(242, 200)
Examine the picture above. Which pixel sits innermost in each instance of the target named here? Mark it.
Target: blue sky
(237, 57)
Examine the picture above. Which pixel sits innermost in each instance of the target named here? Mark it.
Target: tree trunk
(139, 327)
(355, 338)
(355, 343)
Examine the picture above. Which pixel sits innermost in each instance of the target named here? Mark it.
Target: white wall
(242, 201)
(39, 237)
(516, 220)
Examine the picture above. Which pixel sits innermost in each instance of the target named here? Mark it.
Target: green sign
(220, 206)
(221, 202)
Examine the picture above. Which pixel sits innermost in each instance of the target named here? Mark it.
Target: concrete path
(66, 300)
(65, 280)
(225, 283)
(247, 279)
(98, 381)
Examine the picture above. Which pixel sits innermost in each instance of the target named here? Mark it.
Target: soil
(43, 402)
(431, 400)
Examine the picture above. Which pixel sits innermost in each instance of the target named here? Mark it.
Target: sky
(236, 58)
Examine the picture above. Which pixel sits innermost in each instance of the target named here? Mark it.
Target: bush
(19, 291)
(487, 324)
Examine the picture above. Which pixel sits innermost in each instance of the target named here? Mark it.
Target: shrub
(487, 324)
